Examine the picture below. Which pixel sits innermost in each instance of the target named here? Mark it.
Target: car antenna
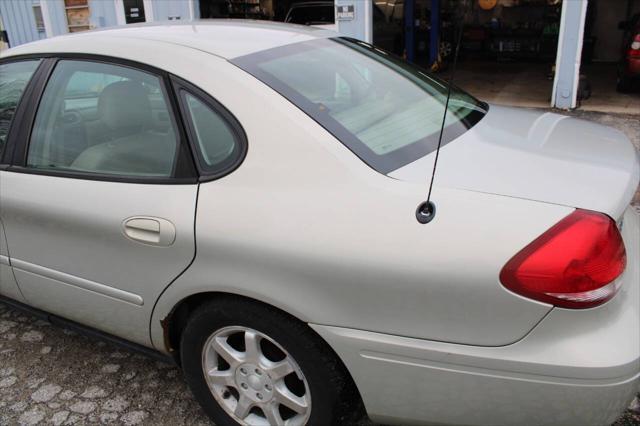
(426, 211)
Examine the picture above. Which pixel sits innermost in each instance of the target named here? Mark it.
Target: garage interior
(509, 47)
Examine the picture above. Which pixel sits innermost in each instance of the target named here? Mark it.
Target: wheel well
(177, 319)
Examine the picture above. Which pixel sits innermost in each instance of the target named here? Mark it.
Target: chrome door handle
(149, 230)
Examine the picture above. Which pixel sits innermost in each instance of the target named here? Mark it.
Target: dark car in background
(629, 70)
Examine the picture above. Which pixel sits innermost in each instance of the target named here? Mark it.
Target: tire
(326, 389)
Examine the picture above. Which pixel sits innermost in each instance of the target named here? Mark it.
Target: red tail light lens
(635, 46)
(572, 265)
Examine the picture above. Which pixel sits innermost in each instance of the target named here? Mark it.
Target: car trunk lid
(539, 156)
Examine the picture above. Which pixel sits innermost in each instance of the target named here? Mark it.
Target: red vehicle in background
(629, 70)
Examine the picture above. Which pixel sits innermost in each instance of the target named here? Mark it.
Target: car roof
(226, 38)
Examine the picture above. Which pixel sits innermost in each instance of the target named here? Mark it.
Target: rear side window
(219, 139)
(14, 78)
(105, 119)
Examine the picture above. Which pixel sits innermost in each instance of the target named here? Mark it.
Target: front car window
(385, 110)
(14, 78)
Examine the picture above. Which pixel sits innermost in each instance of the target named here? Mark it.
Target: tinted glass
(104, 119)
(217, 144)
(14, 78)
(385, 110)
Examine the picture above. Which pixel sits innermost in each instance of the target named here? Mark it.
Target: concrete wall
(19, 22)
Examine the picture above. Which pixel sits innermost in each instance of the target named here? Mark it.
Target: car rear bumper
(575, 367)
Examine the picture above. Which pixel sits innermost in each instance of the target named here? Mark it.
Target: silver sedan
(248, 200)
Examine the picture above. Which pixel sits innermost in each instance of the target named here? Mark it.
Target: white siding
(103, 13)
(58, 17)
(19, 21)
(163, 10)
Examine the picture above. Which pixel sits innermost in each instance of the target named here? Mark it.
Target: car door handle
(150, 230)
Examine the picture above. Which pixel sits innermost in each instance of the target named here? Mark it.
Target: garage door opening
(508, 47)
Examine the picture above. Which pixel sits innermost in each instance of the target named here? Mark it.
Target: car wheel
(250, 364)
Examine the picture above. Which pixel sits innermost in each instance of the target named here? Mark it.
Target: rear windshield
(385, 110)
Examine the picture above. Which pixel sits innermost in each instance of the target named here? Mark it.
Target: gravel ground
(54, 376)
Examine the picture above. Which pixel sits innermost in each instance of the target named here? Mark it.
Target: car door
(14, 78)
(99, 202)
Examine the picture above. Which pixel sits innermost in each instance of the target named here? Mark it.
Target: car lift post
(409, 30)
(434, 36)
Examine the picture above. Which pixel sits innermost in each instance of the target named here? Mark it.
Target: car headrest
(124, 108)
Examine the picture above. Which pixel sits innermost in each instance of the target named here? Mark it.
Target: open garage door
(511, 49)
(508, 49)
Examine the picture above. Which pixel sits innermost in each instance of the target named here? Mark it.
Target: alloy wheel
(254, 379)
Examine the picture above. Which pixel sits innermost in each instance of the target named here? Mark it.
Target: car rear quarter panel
(577, 367)
(305, 226)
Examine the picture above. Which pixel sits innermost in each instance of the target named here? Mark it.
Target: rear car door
(99, 202)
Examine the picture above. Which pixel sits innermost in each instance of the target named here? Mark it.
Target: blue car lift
(410, 30)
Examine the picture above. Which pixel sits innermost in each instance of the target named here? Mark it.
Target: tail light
(635, 46)
(572, 265)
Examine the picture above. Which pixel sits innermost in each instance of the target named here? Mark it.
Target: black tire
(334, 399)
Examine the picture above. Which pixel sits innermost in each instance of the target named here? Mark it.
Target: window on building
(37, 14)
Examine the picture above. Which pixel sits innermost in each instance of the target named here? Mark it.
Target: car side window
(14, 77)
(217, 142)
(106, 119)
